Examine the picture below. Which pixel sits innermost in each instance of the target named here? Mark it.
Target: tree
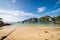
(32, 20)
(57, 19)
(1, 22)
(53, 19)
(45, 19)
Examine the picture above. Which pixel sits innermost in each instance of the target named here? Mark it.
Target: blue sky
(18, 10)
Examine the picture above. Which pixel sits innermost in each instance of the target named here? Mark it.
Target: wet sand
(33, 33)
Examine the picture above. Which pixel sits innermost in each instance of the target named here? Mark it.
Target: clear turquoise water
(36, 24)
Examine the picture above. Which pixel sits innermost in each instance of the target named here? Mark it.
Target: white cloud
(57, 10)
(16, 12)
(53, 11)
(13, 1)
(58, 2)
(41, 9)
(9, 18)
(11, 15)
(22, 13)
(9, 12)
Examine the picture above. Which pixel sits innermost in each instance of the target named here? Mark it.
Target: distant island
(44, 19)
(47, 19)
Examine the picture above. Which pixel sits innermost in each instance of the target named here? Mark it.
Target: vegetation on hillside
(1, 22)
(44, 19)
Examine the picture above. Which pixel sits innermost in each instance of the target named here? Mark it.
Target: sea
(36, 24)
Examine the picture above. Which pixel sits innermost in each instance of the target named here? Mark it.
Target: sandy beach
(31, 33)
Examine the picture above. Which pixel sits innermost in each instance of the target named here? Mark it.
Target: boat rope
(8, 34)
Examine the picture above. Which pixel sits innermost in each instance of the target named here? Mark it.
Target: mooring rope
(8, 34)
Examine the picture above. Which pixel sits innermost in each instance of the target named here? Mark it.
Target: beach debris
(51, 36)
(46, 31)
(8, 34)
(3, 37)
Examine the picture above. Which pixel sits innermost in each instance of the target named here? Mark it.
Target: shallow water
(38, 24)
